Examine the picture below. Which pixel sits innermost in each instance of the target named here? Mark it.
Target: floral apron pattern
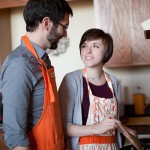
(98, 109)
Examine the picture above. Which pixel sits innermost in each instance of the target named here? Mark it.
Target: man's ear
(47, 23)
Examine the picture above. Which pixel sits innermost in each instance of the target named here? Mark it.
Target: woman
(88, 97)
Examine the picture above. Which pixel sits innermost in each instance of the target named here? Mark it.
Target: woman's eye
(95, 46)
(83, 46)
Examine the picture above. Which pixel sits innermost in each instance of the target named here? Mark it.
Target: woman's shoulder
(112, 77)
(75, 73)
(73, 77)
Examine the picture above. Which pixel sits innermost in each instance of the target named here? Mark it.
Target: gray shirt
(22, 87)
(71, 96)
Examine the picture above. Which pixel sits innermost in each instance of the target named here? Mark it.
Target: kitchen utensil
(133, 139)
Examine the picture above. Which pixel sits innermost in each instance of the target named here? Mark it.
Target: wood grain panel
(12, 3)
(5, 35)
(140, 45)
(112, 15)
(122, 19)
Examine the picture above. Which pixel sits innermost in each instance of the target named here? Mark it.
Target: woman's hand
(108, 123)
(133, 132)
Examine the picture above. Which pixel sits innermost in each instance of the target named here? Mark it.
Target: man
(31, 115)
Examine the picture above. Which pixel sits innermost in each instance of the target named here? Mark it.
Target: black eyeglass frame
(65, 27)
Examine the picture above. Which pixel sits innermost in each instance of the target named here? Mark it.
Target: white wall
(82, 20)
(130, 79)
(18, 28)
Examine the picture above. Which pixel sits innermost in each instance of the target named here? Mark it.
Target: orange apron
(47, 133)
(97, 112)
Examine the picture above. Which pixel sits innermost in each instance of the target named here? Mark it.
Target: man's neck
(36, 38)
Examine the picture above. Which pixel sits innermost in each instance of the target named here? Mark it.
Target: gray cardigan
(71, 96)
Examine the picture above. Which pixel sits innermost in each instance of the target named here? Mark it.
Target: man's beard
(54, 45)
(53, 38)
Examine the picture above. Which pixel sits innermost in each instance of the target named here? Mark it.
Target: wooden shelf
(12, 3)
(15, 3)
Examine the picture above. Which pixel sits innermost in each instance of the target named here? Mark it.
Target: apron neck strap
(29, 46)
(106, 77)
(45, 72)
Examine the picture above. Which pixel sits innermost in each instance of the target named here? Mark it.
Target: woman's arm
(108, 123)
(68, 100)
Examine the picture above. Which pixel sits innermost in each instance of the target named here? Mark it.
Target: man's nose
(65, 33)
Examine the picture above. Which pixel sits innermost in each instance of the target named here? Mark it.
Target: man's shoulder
(20, 59)
(21, 55)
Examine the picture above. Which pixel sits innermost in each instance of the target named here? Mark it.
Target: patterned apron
(98, 109)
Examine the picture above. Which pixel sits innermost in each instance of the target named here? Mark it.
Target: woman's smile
(88, 57)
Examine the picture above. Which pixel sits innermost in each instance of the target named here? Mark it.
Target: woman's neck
(96, 76)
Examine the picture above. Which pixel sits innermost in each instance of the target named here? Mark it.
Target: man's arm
(16, 92)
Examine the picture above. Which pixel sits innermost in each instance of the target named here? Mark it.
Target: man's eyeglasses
(65, 27)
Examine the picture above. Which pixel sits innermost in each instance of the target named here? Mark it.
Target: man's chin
(53, 47)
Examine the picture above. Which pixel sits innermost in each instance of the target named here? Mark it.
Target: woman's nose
(88, 50)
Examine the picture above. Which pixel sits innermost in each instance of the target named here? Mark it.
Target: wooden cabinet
(122, 19)
(5, 35)
(12, 3)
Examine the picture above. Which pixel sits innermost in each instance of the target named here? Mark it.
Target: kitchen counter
(138, 121)
(140, 124)
(141, 129)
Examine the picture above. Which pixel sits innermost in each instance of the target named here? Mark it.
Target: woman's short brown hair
(94, 34)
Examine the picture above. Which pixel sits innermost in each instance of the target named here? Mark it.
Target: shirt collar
(39, 50)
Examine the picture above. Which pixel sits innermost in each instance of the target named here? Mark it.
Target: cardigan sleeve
(67, 101)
